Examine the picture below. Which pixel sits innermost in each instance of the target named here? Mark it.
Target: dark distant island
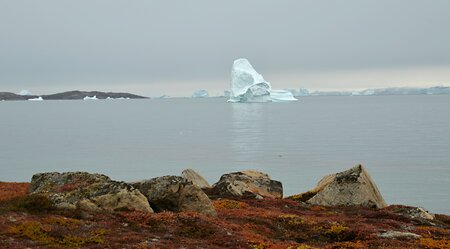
(71, 95)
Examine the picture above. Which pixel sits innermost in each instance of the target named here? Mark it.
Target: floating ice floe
(90, 98)
(247, 85)
(200, 94)
(36, 99)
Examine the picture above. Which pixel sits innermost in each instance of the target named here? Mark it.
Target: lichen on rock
(195, 178)
(348, 188)
(248, 184)
(174, 193)
(90, 192)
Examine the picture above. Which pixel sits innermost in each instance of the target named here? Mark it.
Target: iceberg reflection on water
(248, 132)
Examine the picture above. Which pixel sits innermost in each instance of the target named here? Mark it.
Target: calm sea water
(404, 141)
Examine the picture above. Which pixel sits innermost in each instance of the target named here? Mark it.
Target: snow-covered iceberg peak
(247, 85)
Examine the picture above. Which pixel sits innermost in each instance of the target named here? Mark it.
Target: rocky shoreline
(242, 210)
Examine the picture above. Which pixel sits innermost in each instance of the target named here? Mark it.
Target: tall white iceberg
(247, 85)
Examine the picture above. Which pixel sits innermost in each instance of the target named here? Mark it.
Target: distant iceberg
(301, 92)
(281, 96)
(25, 93)
(356, 93)
(90, 98)
(200, 94)
(36, 99)
(247, 85)
(367, 92)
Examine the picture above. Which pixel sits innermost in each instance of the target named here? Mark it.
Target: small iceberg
(90, 98)
(247, 85)
(36, 99)
(200, 94)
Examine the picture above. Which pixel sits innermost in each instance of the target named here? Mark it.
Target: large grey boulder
(348, 188)
(174, 193)
(195, 178)
(89, 192)
(248, 184)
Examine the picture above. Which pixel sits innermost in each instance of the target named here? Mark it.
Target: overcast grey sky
(177, 47)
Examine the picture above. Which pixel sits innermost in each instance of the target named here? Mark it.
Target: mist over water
(403, 141)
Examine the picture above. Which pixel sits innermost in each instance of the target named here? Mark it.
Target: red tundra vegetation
(31, 222)
(11, 190)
